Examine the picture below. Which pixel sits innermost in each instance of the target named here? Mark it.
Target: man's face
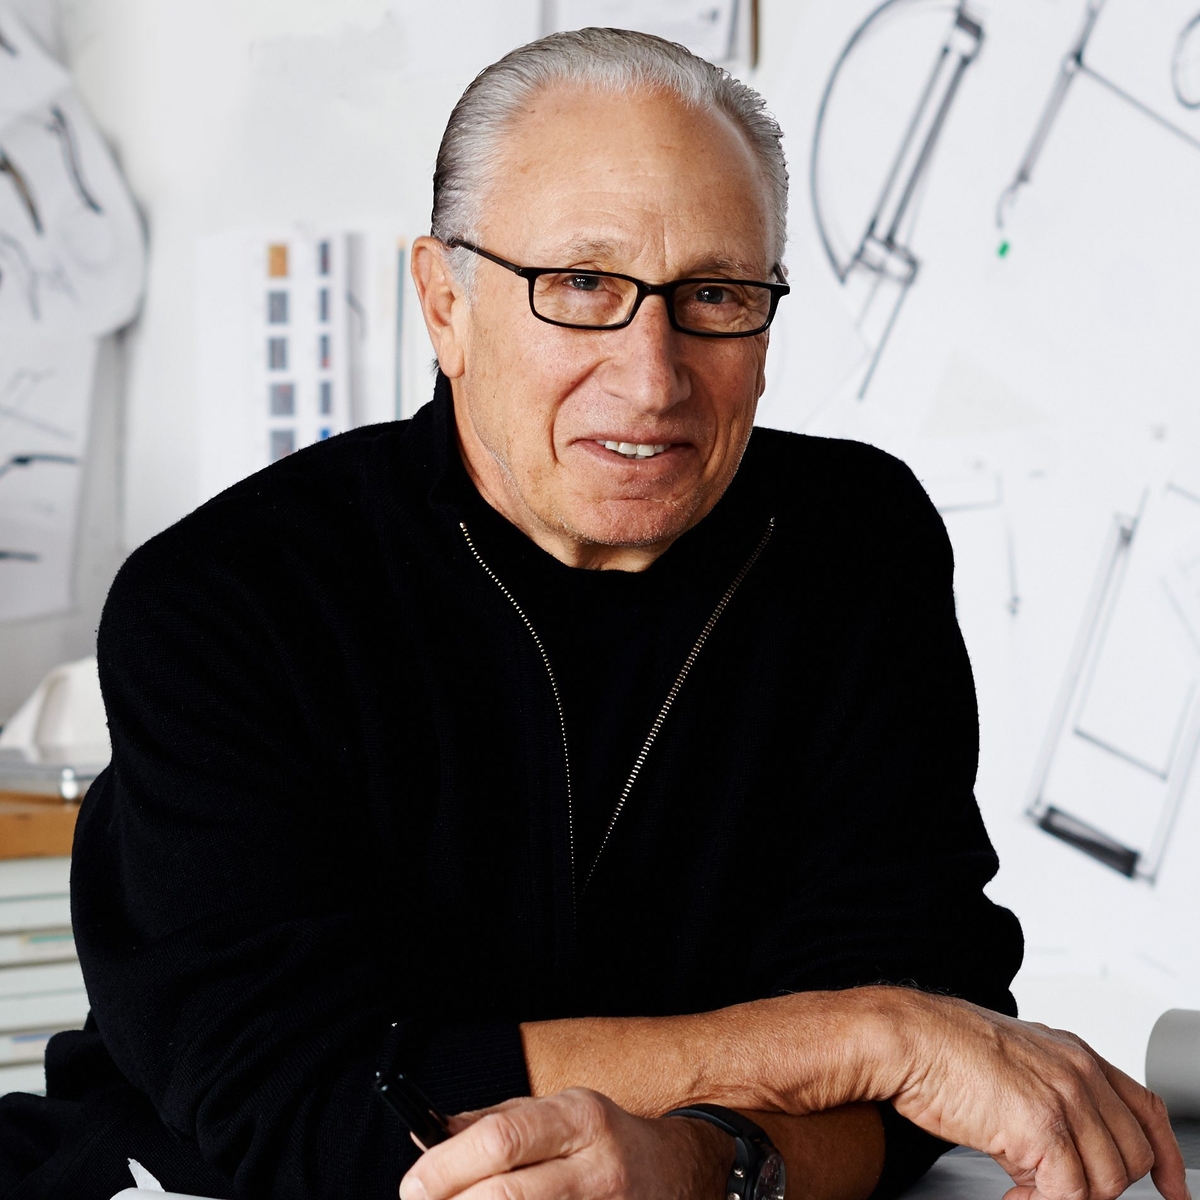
(643, 186)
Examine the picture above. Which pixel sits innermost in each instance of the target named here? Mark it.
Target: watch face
(771, 1178)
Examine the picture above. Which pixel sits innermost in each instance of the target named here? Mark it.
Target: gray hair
(612, 60)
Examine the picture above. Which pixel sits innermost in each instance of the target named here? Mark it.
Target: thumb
(1022, 1191)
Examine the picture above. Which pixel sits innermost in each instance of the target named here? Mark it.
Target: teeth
(640, 450)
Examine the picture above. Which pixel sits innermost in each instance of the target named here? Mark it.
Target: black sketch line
(883, 249)
(1014, 595)
(1073, 66)
(27, 460)
(15, 414)
(54, 276)
(1180, 491)
(1085, 657)
(20, 556)
(10, 168)
(6, 45)
(1090, 840)
(1187, 56)
(60, 126)
(23, 384)
(29, 270)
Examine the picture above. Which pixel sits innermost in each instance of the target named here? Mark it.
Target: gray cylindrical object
(1173, 1061)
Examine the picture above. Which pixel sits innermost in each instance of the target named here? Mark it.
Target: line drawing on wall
(1114, 766)
(867, 182)
(1180, 72)
(978, 491)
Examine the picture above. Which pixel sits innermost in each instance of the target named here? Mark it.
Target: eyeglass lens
(579, 298)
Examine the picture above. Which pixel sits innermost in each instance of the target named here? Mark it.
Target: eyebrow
(590, 250)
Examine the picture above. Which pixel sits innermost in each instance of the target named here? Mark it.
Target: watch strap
(750, 1141)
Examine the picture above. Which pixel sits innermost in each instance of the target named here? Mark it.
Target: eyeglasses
(581, 299)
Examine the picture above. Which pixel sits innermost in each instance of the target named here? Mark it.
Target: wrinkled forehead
(628, 181)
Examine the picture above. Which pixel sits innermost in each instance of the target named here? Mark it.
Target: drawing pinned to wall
(1115, 764)
(298, 339)
(72, 261)
(1146, 55)
(878, 126)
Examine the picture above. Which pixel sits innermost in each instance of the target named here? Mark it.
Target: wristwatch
(758, 1171)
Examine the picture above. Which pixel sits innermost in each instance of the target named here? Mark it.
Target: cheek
(530, 376)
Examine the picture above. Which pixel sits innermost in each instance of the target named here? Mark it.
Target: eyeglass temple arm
(458, 244)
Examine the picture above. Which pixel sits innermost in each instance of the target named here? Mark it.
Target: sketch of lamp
(1173, 99)
(872, 155)
(1114, 766)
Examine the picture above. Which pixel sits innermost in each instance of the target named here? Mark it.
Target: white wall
(1071, 365)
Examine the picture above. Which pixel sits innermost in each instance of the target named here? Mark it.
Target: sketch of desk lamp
(1184, 68)
(881, 206)
(1114, 765)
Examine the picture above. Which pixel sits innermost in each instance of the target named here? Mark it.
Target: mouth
(635, 450)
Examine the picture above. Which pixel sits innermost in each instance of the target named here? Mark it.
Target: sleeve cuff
(460, 1067)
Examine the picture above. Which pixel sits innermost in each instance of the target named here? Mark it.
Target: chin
(631, 523)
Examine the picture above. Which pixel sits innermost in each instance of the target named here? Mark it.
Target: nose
(645, 367)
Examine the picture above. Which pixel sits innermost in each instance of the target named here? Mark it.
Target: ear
(443, 304)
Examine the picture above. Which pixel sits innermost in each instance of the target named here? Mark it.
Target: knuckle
(1140, 1161)
(1076, 1095)
(593, 1113)
(1081, 1059)
(1054, 1126)
(1156, 1106)
(1110, 1187)
(502, 1138)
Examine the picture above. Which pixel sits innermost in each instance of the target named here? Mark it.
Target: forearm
(796, 1054)
(834, 1155)
(790, 1063)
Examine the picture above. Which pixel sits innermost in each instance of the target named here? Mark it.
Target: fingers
(514, 1135)
(556, 1179)
(1112, 1143)
(1167, 1171)
(1107, 1132)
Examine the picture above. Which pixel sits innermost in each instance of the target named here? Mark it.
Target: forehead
(628, 181)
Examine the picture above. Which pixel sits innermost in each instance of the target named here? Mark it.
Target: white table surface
(965, 1175)
(973, 1176)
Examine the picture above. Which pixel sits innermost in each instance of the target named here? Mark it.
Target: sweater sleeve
(231, 972)
(898, 894)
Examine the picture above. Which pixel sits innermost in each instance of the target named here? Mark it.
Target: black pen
(414, 1109)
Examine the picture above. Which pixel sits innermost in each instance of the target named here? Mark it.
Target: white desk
(967, 1175)
(960, 1176)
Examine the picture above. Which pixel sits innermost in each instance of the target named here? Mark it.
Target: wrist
(709, 1153)
(808, 1051)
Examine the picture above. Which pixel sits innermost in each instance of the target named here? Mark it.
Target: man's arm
(651, 1065)
(1064, 1123)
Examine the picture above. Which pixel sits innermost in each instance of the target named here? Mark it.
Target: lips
(635, 449)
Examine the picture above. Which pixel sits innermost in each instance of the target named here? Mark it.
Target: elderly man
(568, 747)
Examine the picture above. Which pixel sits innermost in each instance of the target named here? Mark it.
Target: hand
(1065, 1124)
(575, 1145)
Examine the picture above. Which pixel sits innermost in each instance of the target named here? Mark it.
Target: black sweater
(335, 835)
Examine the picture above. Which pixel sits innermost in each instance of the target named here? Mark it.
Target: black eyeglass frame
(644, 289)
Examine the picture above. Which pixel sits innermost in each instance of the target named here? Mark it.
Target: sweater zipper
(657, 724)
